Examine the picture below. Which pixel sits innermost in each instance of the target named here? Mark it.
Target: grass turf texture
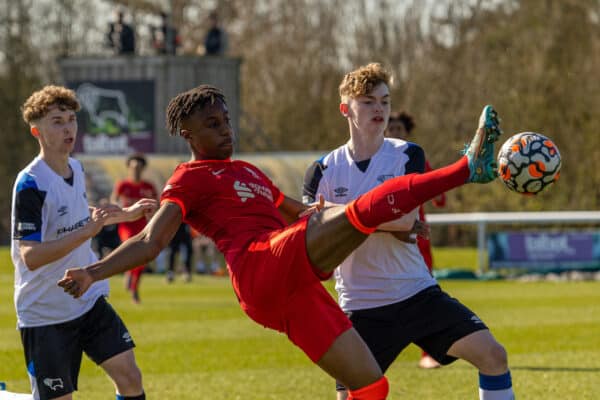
(193, 342)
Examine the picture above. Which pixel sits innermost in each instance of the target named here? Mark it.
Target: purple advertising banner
(544, 250)
(116, 117)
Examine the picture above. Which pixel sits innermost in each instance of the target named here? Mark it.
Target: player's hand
(76, 282)
(98, 217)
(313, 207)
(421, 229)
(404, 236)
(143, 207)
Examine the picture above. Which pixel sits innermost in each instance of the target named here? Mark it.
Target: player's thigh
(313, 321)
(330, 238)
(104, 335)
(382, 332)
(447, 322)
(53, 358)
(482, 350)
(123, 370)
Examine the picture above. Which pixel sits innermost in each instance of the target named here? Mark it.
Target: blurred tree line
(537, 62)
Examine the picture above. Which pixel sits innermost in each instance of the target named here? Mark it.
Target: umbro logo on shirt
(341, 191)
(243, 191)
(63, 210)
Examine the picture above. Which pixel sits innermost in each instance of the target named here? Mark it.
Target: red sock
(398, 196)
(375, 391)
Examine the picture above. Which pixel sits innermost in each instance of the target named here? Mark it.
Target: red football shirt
(229, 201)
(129, 192)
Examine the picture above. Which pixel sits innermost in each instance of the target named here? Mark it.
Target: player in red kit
(276, 268)
(126, 192)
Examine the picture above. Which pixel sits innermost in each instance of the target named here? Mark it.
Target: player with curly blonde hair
(52, 226)
(384, 285)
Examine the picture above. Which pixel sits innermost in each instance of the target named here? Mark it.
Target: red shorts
(280, 289)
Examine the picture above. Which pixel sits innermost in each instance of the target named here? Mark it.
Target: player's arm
(36, 254)
(138, 250)
(291, 209)
(141, 208)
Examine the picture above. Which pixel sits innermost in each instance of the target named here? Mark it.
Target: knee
(496, 360)
(130, 380)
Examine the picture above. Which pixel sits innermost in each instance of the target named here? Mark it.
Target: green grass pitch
(194, 342)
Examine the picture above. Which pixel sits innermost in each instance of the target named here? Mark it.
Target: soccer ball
(528, 162)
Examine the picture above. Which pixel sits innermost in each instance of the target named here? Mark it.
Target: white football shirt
(383, 270)
(46, 207)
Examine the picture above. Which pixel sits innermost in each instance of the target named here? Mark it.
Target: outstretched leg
(400, 195)
(332, 235)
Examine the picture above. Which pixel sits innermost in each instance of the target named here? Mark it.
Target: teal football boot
(480, 152)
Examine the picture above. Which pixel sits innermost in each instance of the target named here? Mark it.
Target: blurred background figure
(125, 193)
(400, 126)
(121, 36)
(215, 41)
(207, 257)
(108, 238)
(182, 238)
(165, 39)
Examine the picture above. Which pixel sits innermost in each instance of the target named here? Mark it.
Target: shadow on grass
(557, 369)
(546, 369)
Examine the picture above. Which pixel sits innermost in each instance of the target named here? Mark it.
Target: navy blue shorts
(430, 319)
(53, 352)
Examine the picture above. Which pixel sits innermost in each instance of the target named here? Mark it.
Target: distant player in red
(126, 193)
(400, 126)
(276, 268)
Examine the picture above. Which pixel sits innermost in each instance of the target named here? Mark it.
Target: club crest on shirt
(249, 190)
(341, 191)
(54, 383)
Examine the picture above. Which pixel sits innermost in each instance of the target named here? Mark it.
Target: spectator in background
(182, 238)
(206, 254)
(165, 39)
(107, 239)
(215, 42)
(125, 193)
(121, 36)
(400, 126)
